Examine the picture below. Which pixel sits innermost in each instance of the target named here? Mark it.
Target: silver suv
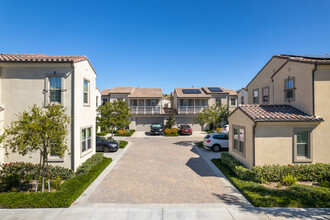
(216, 141)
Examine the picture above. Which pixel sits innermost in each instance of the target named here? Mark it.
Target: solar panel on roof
(215, 89)
(191, 91)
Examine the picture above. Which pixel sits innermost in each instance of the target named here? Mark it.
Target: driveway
(163, 170)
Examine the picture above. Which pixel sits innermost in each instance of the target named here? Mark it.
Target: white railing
(190, 109)
(145, 110)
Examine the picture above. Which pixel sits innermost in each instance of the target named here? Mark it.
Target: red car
(185, 129)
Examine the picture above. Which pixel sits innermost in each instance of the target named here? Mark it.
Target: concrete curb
(82, 199)
(224, 179)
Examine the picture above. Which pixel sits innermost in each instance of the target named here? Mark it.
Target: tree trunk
(48, 174)
(38, 172)
(43, 172)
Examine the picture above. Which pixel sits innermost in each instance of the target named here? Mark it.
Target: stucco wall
(263, 79)
(274, 142)
(242, 93)
(223, 97)
(22, 85)
(232, 107)
(322, 109)
(239, 118)
(303, 84)
(84, 116)
(114, 97)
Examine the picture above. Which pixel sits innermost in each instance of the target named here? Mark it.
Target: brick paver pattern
(162, 170)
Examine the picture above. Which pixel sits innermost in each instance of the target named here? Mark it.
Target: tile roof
(122, 90)
(275, 113)
(306, 59)
(230, 91)
(42, 58)
(105, 91)
(146, 93)
(180, 94)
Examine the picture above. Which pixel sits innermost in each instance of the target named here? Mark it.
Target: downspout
(72, 118)
(253, 143)
(313, 88)
(272, 91)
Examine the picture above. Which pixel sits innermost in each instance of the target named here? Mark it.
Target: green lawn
(293, 196)
(122, 144)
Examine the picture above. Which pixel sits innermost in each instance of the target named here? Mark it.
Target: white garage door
(143, 124)
(188, 121)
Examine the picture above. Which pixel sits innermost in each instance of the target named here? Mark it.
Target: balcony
(145, 110)
(190, 109)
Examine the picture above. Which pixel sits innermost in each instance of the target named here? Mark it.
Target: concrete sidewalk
(82, 213)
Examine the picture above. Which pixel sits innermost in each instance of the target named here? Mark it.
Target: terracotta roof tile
(42, 58)
(276, 113)
(146, 93)
(105, 91)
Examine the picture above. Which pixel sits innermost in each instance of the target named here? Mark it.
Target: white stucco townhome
(28, 79)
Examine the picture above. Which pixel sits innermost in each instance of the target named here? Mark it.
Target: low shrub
(89, 164)
(127, 134)
(122, 131)
(67, 193)
(171, 135)
(122, 144)
(325, 183)
(167, 131)
(103, 133)
(174, 131)
(30, 171)
(274, 173)
(289, 180)
(11, 181)
(199, 144)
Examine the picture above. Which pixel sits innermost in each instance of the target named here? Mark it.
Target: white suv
(216, 141)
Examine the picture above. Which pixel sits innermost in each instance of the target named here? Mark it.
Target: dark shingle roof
(276, 113)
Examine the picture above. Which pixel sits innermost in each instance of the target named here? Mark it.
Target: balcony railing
(190, 109)
(145, 110)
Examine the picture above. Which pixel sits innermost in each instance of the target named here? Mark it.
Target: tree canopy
(213, 116)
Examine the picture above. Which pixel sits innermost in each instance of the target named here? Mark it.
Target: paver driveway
(162, 170)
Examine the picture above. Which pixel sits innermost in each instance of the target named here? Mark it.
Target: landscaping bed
(65, 194)
(123, 144)
(124, 133)
(277, 194)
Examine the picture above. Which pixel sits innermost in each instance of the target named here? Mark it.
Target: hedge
(68, 192)
(25, 170)
(89, 163)
(130, 133)
(171, 135)
(273, 173)
(293, 196)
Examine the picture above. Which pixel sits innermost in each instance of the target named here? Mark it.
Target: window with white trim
(86, 139)
(239, 139)
(302, 144)
(86, 92)
(232, 102)
(256, 96)
(265, 95)
(55, 89)
(289, 89)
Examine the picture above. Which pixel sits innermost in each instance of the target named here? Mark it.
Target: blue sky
(167, 43)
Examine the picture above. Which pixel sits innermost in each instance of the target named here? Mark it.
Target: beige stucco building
(287, 120)
(242, 96)
(28, 79)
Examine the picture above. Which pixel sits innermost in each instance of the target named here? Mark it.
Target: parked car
(103, 145)
(225, 129)
(216, 141)
(156, 128)
(185, 129)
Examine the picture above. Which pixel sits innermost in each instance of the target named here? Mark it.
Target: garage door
(188, 121)
(143, 124)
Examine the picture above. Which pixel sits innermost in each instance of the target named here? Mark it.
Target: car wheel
(216, 148)
(106, 149)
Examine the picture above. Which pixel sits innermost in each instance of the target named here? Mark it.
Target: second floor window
(55, 89)
(232, 101)
(218, 102)
(104, 101)
(86, 92)
(256, 96)
(151, 102)
(265, 94)
(242, 100)
(289, 89)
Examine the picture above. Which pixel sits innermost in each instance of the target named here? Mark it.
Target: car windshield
(185, 126)
(156, 126)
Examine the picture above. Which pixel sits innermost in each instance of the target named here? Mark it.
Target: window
(232, 101)
(134, 102)
(151, 102)
(242, 99)
(265, 95)
(86, 139)
(203, 102)
(256, 96)
(86, 92)
(302, 145)
(120, 99)
(55, 89)
(221, 136)
(239, 139)
(218, 102)
(289, 89)
(104, 101)
(186, 102)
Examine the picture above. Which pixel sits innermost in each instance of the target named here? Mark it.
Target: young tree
(114, 114)
(39, 129)
(171, 121)
(213, 116)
